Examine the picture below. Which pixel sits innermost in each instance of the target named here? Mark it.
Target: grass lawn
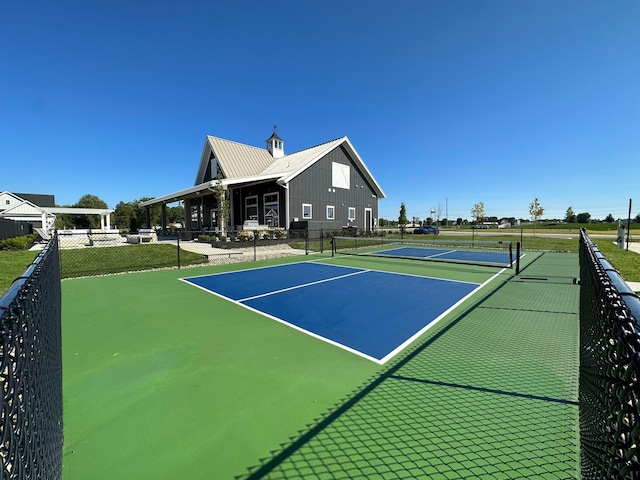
(86, 262)
(625, 261)
(12, 265)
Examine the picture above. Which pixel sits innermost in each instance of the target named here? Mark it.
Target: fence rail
(609, 369)
(31, 372)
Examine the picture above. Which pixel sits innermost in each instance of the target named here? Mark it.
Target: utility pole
(446, 203)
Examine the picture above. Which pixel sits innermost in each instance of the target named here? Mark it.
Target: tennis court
(333, 367)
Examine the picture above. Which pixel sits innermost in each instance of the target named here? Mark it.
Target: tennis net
(475, 252)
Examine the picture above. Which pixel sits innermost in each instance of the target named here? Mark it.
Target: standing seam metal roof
(239, 160)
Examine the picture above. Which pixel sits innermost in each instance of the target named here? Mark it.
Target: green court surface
(163, 380)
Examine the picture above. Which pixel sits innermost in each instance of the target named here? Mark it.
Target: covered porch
(262, 201)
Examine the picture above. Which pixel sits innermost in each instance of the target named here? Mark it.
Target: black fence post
(255, 244)
(178, 250)
(321, 240)
(306, 241)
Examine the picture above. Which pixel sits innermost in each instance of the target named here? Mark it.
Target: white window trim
(310, 211)
(266, 203)
(349, 217)
(246, 206)
(332, 217)
(269, 202)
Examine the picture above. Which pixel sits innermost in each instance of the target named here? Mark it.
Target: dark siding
(314, 186)
(259, 190)
(11, 228)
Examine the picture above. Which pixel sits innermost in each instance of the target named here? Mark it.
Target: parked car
(427, 230)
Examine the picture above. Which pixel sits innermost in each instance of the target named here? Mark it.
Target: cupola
(275, 145)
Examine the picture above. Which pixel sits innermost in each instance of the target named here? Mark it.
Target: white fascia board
(22, 204)
(78, 210)
(365, 169)
(175, 196)
(294, 174)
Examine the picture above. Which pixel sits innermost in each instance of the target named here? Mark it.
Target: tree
(477, 212)
(637, 219)
(123, 214)
(570, 216)
(175, 214)
(584, 217)
(88, 221)
(609, 219)
(536, 211)
(402, 218)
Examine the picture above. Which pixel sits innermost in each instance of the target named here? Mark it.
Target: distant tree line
(478, 215)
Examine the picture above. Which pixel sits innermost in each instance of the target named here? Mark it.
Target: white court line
(384, 359)
(406, 343)
(302, 285)
(284, 322)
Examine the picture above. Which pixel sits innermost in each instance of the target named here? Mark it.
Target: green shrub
(24, 242)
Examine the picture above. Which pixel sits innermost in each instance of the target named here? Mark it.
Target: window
(352, 214)
(251, 208)
(331, 212)
(340, 175)
(196, 216)
(271, 216)
(8, 202)
(306, 211)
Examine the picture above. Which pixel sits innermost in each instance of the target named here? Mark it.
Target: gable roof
(24, 207)
(236, 159)
(39, 199)
(242, 163)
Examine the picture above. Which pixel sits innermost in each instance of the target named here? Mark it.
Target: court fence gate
(31, 371)
(609, 384)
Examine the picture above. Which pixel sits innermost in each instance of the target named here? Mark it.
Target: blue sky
(449, 103)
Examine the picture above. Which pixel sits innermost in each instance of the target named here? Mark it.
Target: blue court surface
(480, 256)
(371, 313)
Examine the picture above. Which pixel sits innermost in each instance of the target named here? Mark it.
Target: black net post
(333, 246)
(306, 241)
(255, 245)
(178, 250)
(517, 257)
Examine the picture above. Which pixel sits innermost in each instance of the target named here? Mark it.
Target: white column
(101, 222)
(108, 221)
(44, 221)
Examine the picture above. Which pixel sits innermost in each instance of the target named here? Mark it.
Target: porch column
(101, 222)
(108, 218)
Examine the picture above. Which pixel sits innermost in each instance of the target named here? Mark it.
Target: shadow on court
(490, 394)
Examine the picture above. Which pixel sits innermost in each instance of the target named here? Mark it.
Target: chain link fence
(609, 369)
(31, 372)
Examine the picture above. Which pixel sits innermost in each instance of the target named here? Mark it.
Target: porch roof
(210, 185)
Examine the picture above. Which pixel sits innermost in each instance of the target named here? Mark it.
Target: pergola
(105, 214)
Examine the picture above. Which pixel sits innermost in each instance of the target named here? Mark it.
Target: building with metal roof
(326, 186)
